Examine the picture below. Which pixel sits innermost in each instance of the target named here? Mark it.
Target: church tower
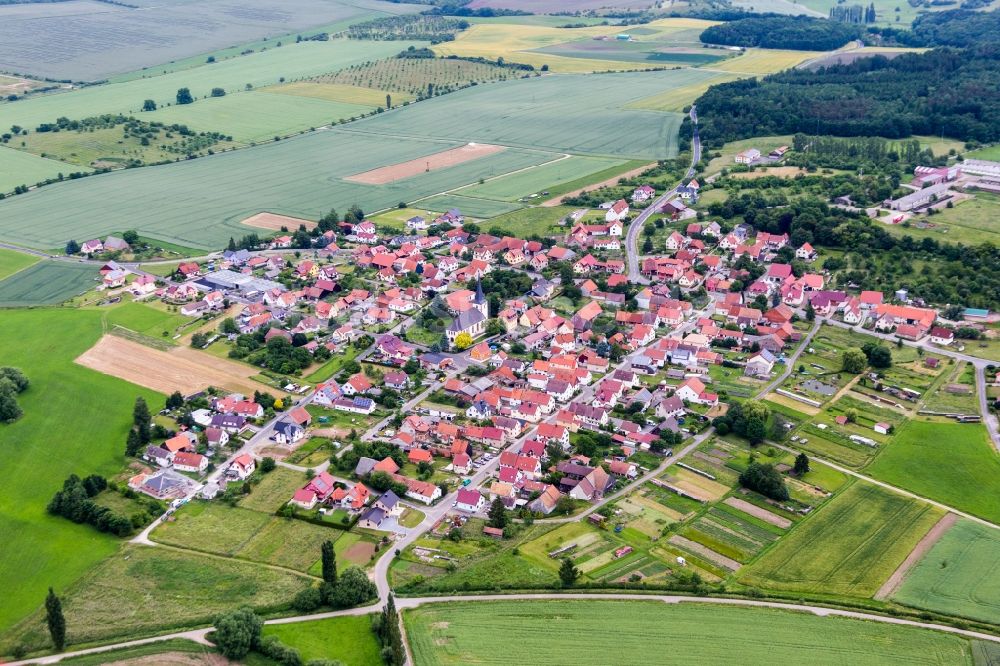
(480, 301)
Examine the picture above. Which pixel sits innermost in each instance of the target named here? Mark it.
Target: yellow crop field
(676, 99)
(339, 92)
(765, 61)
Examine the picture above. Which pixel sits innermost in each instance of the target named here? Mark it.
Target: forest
(957, 27)
(944, 92)
(801, 33)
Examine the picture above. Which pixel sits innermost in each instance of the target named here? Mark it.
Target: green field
(347, 639)
(470, 206)
(952, 463)
(558, 113)
(146, 319)
(534, 181)
(408, 76)
(200, 202)
(74, 422)
(20, 168)
(143, 589)
(11, 262)
(292, 61)
(959, 575)
(258, 116)
(638, 632)
(537, 221)
(47, 283)
(849, 546)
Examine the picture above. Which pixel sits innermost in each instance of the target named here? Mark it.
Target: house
(372, 518)
(592, 486)
(417, 456)
(882, 428)
(618, 210)
(186, 461)
(389, 503)
(748, 156)
(643, 193)
(806, 252)
(357, 384)
(248, 409)
(760, 364)
(242, 467)
(115, 279)
(417, 223)
(181, 442)
(304, 498)
(422, 491)
(461, 463)
(693, 390)
(470, 501)
(942, 336)
(93, 246)
(288, 432)
(547, 501)
(158, 455)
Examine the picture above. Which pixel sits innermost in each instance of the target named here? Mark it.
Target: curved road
(632, 236)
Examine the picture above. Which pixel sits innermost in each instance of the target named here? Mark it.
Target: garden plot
(705, 553)
(955, 393)
(758, 513)
(727, 534)
(827, 443)
(695, 485)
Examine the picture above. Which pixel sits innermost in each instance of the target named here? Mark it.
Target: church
(473, 320)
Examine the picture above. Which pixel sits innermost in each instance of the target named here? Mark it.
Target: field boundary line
(933, 535)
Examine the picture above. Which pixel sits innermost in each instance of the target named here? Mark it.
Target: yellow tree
(463, 341)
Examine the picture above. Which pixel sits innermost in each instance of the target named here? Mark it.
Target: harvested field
(924, 545)
(780, 172)
(360, 553)
(442, 160)
(757, 512)
(274, 222)
(704, 552)
(181, 369)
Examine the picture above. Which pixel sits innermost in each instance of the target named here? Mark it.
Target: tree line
(13, 382)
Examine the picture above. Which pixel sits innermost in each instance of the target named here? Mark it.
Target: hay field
(20, 168)
(765, 61)
(181, 369)
(849, 546)
(88, 40)
(200, 203)
(959, 575)
(12, 262)
(442, 160)
(649, 632)
(265, 68)
(340, 92)
(258, 115)
(677, 98)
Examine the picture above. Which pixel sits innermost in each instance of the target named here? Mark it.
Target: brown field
(182, 369)
(757, 512)
(557, 201)
(360, 554)
(446, 158)
(274, 222)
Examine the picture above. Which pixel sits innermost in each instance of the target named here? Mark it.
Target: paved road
(632, 257)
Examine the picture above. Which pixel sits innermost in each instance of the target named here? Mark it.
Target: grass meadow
(541, 178)
(20, 168)
(849, 546)
(959, 575)
(46, 282)
(347, 639)
(537, 221)
(74, 422)
(595, 632)
(952, 463)
(12, 262)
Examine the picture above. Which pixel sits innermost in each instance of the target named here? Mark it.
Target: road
(632, 257)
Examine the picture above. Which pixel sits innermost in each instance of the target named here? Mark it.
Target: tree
(329, 562)
(353, 587)
(72, 247)
(765, 479)
(851, 415)
(229, 327)
(237, 632)
(149, 105)
(141, 419)
(756, 430)
(853, 361)
(133, 444)
(878, 355)
(56, 621)
(463, 341)
(388, 101)
(218, 92)
(184, 96)
(131, 236)
(393, 652)
(568, 573)
(801, 465)
(810, 312)
(267, 464)
(497, 514)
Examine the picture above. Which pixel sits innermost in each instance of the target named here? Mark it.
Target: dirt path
(931, 538)
(556, 201)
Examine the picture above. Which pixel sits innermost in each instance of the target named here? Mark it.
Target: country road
(632, 257)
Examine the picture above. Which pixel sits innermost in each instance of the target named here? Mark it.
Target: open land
(20, 168)
(46, 282)
(180, 369)
(959, 575)
(925, 544)
(849, 546)
(651, 632)
(347, 639)
(12, 262)
(442, 160)
(405, 78)
(541, 178)
(84, 40)
(75, 419)
(952, 463)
